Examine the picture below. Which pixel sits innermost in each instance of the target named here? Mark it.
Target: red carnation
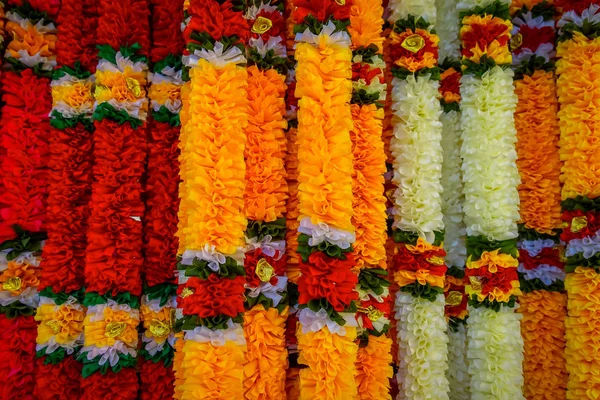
(328, 278)
(212, 297)
(322, 10)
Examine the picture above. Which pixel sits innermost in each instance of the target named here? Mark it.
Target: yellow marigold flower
(18, 277)
(374, 367)
(75, 95)
(163, 92)
(30, 40)
(126, 86)
(422, 276)
(422, 246)
(157, 324)
(114, 325)
(63, 323)
(492, 260)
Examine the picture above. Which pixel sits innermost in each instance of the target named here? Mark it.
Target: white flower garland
(400, 9)
(458, 374)
(417, 151)
(495, 354)
(448, 27)
(490, 173)
(422, 348)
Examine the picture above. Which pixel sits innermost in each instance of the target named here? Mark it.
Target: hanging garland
(418, 227)
(491, 207)
(327, 325)
(113, 257)
(24, 153)
(61, 313)
(578, 52)
(160, 221)
(369, 219)
(540, 269)
(448, 22)
(265, 204)
(211, 271)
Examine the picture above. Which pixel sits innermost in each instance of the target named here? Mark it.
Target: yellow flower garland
(327, 357)
(373, 377)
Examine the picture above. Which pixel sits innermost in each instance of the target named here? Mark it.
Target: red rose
(322, 10)
(328, 278)
(277, 25)
(213, 296)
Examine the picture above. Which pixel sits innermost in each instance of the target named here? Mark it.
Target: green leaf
(532, 285)
(477, 245)
(403, 73)
(493, 305)
(165, 115)
(25, 241)
(315, 26)
(362, 97)
(543, 9)
(497, 9)
(456, 272)
(373, 279)
(479, 69)
(199, 268)
(532, 234)
(532, 64)
(163, 292)
(76, 71)
(330, 250)
(171, 61)
(62, 297)
(17, 309)
(259, 229)
(426, 291)
(411, 22)
(189, 322)
(94, 299)
(58, 121)
(165, 355)
(105, 110)
(91, 367)
(16, 65)
(53, 358)
(368, 54)
(581, 203)
(268, 61)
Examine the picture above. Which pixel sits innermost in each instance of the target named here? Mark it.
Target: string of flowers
(540, 270)
(448, 25)
(327, 324)
(61, 313)
(210, 302)
(25, 134)
(292, 267)
(374, 359)
(578, 52)
(114, 251)
(265, 198)
(491, 206)
(418, 221)
(162, 182)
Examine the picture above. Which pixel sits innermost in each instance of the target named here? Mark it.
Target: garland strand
(418, 221)
(540, 269)
(212, 169)
(61, 313)
(265, 204)
(114, 251)
(448, 23)
(578, 53)
(491, 207)
(25, 135)
(369, 219)
(160, 221)
(327, 325)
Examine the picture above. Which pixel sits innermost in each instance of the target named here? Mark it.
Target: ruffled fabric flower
(408, 59)
(448, 27)
(419, 264)
(458, 374)
(417, 151)
(324, 145)
(490, 174)
(60, 326)
(543, 331)
(365, 24)
(422, 346)
(77, 41)
(266, 355)
(121, 385)
(452, 197)
(266, 188)
(578, 61)
(251, 261)
(61, 379)
(210, 372)
(212, 297)
(328, 278)
(401, 9)
(486, 35)
(291, 237)
(213, 179)
(17, 350)
(537, 149)
(369, 217)
(374, 369)
(322, 10)
(495, 354)
(330, 361)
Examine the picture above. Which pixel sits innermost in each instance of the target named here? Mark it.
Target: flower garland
(265, 204)
(327, 326)
(114, 251)
(578, 51)
(160, 221)
(25, 135)
(540, 269)
(418, 221)
(369, 219)
(491, 207)
(210, 295)
(61, 313)
(448, 23)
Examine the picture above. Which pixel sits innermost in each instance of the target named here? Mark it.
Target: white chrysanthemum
(322, 232)
(400, 9)
(213, 257)
(328, 36)
(495, 353)
(546, 273)
(490, 173)
(311, 321)
(135, 109)
(46, 63)
(466, 5)
(452, 198)
(109, 354)
(26, 23)
(447, 27)
(458, 374)
(268, 290)
(591, 15)
(588, 246)
(534, 247)
(218, 56)
(422, 347)
(274, 43)
(234, 333)
(417, 151)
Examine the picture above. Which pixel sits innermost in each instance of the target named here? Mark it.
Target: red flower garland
(217, 19)
(574, 5)
(60, 381)
(321, 9)
(157, 381)
(111, 386)
(212, 297)
(17, 352)
(328, 278)
(548, 255)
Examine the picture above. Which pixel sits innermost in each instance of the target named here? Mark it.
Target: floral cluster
(211, 273)
(327, 299)
(29, 56)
